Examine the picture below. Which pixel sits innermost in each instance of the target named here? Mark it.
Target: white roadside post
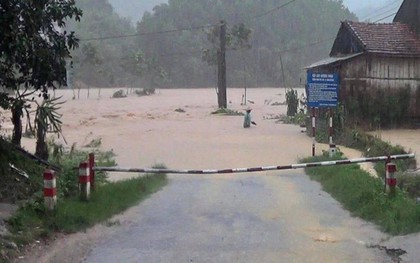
(84, 181)
(50, 190)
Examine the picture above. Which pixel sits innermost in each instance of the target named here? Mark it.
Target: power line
(392, 10)
(328, 39)
(181, 29)
(385, 17)
(369, 16)
(273, 10)
(148, 33)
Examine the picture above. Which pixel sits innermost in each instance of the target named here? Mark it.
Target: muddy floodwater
(261, 217)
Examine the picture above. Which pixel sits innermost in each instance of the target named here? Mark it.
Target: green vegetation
(47, 120)
(73, 215)
(33, 52)
(386, 109)
(364, 197)
(67, 181)
(33, 222)
(14, 187)
(178, 53)
(227, 112)
(372, 146)
(292, 101)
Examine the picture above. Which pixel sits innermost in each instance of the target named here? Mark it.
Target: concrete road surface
(265, 217)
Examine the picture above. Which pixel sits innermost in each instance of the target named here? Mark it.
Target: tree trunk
(41, 146)
(17, 125)
(222, 97)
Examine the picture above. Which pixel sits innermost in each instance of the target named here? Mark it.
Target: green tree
(289, 30)
(33, 49)
(47, 120)
(100, 21)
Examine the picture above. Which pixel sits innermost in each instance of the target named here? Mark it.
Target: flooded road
(280, 217)
(264, 217)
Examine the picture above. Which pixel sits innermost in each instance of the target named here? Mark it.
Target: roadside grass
(363, 196)
(33, 222)
(108, 200)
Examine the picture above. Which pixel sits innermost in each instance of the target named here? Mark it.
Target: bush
(410, 183)
(227, 112)
(67, 181)
(387, 108)
(119, 94)
(292, 101)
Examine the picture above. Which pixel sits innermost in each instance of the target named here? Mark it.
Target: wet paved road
(282, 217)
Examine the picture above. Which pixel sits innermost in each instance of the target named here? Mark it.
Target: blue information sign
(322, 89)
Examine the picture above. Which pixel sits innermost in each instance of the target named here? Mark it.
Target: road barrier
(84, 181)
(391, 181)
(256, 169)
(50, 189)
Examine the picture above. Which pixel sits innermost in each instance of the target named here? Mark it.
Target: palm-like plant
(47, 120)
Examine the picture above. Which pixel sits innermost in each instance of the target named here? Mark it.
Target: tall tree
(222, 38)
(33, 51)
(291, 30)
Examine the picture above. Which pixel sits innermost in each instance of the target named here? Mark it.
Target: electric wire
(253, 17)
(379, 20)
(373, 14)
(273, 10)
(148, 33)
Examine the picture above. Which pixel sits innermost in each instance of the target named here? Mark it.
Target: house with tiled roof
(376, 60)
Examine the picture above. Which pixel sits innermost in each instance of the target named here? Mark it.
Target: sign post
(322, 92)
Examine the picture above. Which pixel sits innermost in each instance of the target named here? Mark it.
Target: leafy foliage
(99, 20)
(13, 187)
(33, 48)
(47, 120)
(292, 101)
(388, 108)
(174, 34)
(67, 184)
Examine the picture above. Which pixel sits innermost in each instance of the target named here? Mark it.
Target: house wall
(371, 72)
(409, 14)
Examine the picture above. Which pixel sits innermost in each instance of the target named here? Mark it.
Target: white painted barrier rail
(257, 169)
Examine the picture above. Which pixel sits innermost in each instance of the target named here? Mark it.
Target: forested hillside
(98, 62)
(294, 36)
(134, 9)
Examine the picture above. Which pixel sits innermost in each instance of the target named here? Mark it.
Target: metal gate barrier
(256, 169)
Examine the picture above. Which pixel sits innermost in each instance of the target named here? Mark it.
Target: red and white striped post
(331, 132)
(84, 181)
(391, 181)
(91, 171)
(313, 131)
(50, 189)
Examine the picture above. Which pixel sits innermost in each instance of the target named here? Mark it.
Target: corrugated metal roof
(332, 60)
(387, 38)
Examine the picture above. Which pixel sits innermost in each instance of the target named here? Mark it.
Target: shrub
(384, 108)
(67, 182)
(292, 101)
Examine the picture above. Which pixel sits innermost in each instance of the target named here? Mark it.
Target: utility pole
(282, 75)
(221, 65)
